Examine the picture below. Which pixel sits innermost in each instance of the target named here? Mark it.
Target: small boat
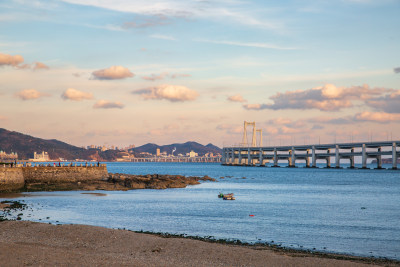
(226, 196)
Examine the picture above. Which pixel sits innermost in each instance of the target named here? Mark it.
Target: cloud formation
(163, 37)
(249, 44)
(108, 104)
(9, 60)
(236, 98)
(158, 11)
(325, 98)
(153, 21)
(40, 66)
(112, 73)
(389, 103)
(30, 94)
(173, 93)
(380, 117)
(76, 95)
(17, 62)
(164, 75)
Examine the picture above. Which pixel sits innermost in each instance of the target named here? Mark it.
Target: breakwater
(14, 179)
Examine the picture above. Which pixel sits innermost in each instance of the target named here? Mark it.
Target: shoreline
(49, 244)
(277, 250)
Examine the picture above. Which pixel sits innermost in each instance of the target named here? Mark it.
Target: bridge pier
(292, 159)
(364, 156)
(275, 158)
(328, 159)
(314, 158)
(379, 159)
(308, 159)
(394, 156)
(261, 159)
(337, 157)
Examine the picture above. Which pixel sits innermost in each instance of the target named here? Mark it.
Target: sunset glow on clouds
(30, 94)
(131, 72)
(173, 93)
(112, 73)
(73, 94)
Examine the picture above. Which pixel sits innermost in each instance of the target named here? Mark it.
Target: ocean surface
(345, 211)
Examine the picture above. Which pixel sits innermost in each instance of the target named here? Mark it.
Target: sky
(123, 72)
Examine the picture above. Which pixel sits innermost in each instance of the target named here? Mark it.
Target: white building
(44, 156)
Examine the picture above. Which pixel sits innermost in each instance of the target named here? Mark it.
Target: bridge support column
(240, 157)
(248, 157)
(379, 159)
(275, 158)
(352, 159)
(394, 157)
(314, 158)
(337, 157)
(292, 160)
(261, 160)
(328, 159)
(364, 156)
(308, 159)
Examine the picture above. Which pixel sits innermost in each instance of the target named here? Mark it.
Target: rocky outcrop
(55, 179)
(154, 181)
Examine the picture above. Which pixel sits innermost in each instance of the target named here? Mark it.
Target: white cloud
(163, 37)
(40, 66)
(156, 20)
(237, 98)
(30, 94)
(325, 98)
(248, 44)
(173, 93)
(112, 73)
(108, 104)
(9, 60)
(17, 62)
(380, 117)
(76, 95)
(218, 10)
(164, 75)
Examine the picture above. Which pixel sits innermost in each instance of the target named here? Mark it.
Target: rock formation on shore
(118, 181)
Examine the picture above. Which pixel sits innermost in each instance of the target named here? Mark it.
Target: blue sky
(130, 72)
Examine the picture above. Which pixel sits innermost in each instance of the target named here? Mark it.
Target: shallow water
(334, 210)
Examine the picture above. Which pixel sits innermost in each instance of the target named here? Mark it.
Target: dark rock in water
(120, 181)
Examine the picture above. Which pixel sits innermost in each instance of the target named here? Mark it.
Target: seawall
(13, 179)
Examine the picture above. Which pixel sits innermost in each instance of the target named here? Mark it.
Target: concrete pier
(258, 156)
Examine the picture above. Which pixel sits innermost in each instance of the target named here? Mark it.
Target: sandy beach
(25, 243)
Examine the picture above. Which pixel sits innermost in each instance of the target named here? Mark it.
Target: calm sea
(332, 210)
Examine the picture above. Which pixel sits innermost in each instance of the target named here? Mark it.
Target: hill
(25, 145)
(181, 148)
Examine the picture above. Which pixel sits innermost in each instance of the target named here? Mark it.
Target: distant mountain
(25, 145)
(180, 148)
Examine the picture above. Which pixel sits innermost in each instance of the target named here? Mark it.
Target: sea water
(350, 211)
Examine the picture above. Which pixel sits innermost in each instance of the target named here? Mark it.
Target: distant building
(192, 154)
(44, 156)
(157, 152)
(12, 155)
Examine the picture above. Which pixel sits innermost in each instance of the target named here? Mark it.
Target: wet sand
(28, 243)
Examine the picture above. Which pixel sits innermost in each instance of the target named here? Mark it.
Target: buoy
(251, 215)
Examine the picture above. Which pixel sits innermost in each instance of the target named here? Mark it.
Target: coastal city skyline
(127, 72)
